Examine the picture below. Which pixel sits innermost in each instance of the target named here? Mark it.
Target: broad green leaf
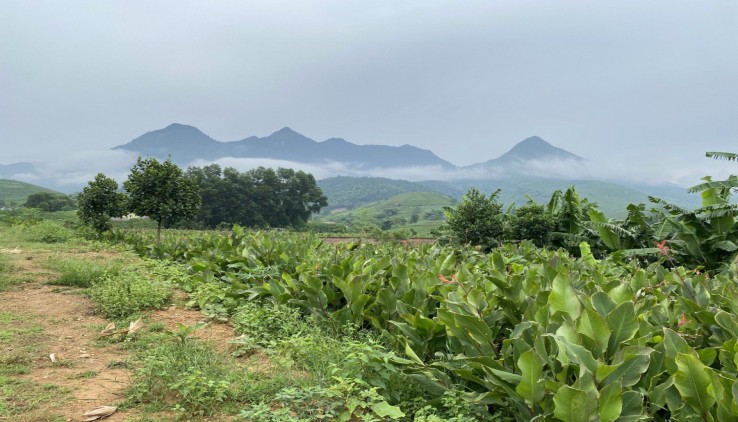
(411, 354)
(610, 402)
(586, 253)
(621, 294)
(628, 372)
(609, 237)
(531, 369)
(594, 326)
(563, 298)
(602, 303)
(693, 381)
(632, 407)
(673, 345)
(623, 323)
(386, 410)
(728, 322)
(572, 405)
(577, 354)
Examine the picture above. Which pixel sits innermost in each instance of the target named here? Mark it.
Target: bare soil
(51, 320)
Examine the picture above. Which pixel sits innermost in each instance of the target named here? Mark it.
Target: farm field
(273, 325)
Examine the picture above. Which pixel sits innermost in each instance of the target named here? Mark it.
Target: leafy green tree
(99, 201)
(162, 192)
(476, 220)
(531, 222)
(49, 202)
(260, 197)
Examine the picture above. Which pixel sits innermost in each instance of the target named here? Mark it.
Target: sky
(641, 89)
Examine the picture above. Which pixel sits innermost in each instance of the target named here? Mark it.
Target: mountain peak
(535, 148)
(286, 131)
(180, 128)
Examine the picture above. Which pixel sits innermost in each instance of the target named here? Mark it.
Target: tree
(531, 222)
(476, 220)
(49, 202)
(162, 192)
(259, 197)
(99, 201)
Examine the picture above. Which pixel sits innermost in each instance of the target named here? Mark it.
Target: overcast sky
(631, 84)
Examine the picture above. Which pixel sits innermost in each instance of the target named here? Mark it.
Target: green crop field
(397, 212)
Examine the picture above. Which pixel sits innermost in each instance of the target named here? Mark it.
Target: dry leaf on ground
(99, 413)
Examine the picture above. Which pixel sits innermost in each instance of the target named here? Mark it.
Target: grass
(128, 293)
(20, 399)
(14, 191)
(82, 273)
(6, 269)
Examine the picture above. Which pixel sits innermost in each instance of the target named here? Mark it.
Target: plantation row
(531, 333)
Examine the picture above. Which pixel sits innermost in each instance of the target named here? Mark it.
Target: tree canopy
(162, 192)
(50, 202)
(261, 197)
(99, 201)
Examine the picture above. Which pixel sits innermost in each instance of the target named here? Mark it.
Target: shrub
(129, 292)
(264, 325)
(47, 232)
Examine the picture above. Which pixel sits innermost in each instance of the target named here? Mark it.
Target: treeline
(202, 197)
(261, 197)
(705, 238)
(49, 202)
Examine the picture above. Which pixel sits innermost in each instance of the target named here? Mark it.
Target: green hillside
(13, 191)
(420, 211)
(611, 198)
(349, 192)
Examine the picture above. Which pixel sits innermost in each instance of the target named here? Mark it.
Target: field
(280, 326)
(419, 211)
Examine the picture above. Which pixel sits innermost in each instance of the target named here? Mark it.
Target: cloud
(70, 172)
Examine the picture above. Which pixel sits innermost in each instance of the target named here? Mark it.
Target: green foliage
(525, 331)
(131, 291)
(161, 192)
(47, 231)
(82, 273)
(476, 220)
(49, 202)
(256, 198)
(196, 376)
(530, 222)
(99, 201)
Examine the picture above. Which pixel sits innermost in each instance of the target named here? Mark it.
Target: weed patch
(186, 375)
(129, 292)
(82, 273)
(47, 232)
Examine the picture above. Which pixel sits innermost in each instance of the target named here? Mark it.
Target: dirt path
(39, 319)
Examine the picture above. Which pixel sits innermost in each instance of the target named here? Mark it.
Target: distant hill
(13, 191)
(187, 143)
(346, 192)
(421, 211)
(612, 198)
(8, 171)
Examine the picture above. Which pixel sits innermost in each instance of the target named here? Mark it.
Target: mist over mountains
(531, 167)
(186, 144)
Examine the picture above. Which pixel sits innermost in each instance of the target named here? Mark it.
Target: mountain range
(185, 144)
(523, 171)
